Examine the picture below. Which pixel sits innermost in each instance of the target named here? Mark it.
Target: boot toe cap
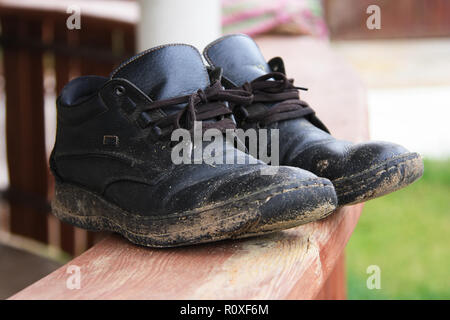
(373, 169)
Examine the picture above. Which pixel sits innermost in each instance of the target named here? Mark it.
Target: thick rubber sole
(381, 179)
(236, 218)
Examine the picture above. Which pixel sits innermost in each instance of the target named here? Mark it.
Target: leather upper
(304, 142)
(239, 57)
(102, 147)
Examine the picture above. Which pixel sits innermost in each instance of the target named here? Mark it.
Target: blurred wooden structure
(305, 262)
(30, 30)
(346, 19)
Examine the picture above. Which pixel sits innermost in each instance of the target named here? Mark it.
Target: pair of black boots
(114, 166)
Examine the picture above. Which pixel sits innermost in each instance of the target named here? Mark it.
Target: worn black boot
(359, 172)
(114, 170)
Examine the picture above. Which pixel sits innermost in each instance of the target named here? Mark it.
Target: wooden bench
(302, 263)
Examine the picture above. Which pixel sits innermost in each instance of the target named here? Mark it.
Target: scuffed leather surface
(137, 174)
(165, 72)
(239, 56)
(302, 144)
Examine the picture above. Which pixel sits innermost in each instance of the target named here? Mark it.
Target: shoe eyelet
(119, 91)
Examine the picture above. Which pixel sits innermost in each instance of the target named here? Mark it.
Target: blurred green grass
(407, 234)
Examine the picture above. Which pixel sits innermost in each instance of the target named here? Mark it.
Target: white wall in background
(195, 22)
(408, 89)
(415, 117)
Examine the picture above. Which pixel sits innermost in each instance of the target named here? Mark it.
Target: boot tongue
(166, 71)
(239, 56)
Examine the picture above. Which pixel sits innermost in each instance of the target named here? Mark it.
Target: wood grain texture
(294, 264)
(335, 288)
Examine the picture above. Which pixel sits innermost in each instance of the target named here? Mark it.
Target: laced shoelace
(275, 88)
(206, 104)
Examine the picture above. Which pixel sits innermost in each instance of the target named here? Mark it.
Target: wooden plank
(335, 288)
(289, 264)
(300, 263)
(25, 131)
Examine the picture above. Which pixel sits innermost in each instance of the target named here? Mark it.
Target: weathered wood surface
(335, 288)
(290, 264)
(294, 264)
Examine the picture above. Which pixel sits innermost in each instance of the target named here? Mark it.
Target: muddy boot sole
(310, 201)
(384, 178)
(226, 220)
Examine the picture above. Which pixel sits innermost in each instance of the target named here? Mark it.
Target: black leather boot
(113, 166)
(359, 172)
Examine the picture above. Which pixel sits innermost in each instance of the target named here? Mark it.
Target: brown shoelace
(205, 104)
(275, 88)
